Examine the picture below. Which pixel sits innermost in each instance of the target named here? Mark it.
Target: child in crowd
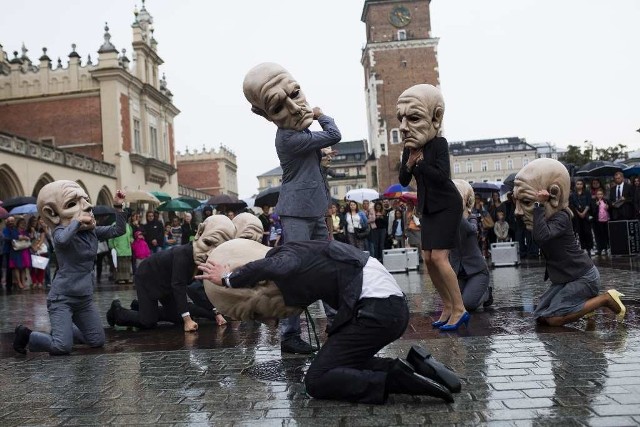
(601, 222)
(275, 231)
(397, 229)
(501, 228)
(140, 248)
(169, 239)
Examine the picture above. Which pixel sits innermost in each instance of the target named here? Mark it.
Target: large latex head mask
(60, 202)
(420, 110)
(468, 197)
(248, 226)
(275, 95)
(263, 301)
(541, 174)
(212, 232)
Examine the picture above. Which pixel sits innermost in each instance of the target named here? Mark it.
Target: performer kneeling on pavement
(542, 191)
(164, 277)
(372, 312)
(66, 209)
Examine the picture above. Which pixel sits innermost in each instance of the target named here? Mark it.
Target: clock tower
(400, 52)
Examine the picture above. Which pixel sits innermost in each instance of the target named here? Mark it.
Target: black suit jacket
(624, 212)
(306, 271)
(436, 191)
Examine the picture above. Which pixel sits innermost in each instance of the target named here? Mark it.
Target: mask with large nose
(60, 202)
(420, 110)
(275, 95)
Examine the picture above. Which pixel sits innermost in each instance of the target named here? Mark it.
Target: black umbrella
(600, 168)
(268, 197)
(99, 210)
(222, 199)
(485, 187)
(509, 181)
(18, 201)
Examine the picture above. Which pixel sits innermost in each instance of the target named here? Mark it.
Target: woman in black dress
(426, 157)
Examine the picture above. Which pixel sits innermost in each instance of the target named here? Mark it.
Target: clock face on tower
(400, 16)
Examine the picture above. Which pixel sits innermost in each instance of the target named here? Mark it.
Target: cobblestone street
(513, 372)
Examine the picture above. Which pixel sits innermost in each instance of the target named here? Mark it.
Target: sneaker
(111, 314)
(295, 345)
(21, 340)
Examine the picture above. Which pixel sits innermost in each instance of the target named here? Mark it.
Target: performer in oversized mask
(541, 190)
(304, 196)
(425, 157)
(371, 312)
(66, 209)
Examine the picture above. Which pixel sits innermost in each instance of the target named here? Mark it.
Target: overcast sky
(545, 70)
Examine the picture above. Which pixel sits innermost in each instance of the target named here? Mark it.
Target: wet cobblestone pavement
(513, 372)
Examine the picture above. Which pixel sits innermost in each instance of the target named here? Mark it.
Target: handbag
(19, 245)
(39, 262)
(103, 247)
(362, 232)
(487, 222)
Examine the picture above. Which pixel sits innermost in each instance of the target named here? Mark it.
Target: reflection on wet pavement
(513, 372)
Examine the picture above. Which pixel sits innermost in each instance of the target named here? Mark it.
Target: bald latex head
(248, 226)
(420, 110)
(275, 95)
(60, 202)
(468, 197)
(212, 232)
(541, 174)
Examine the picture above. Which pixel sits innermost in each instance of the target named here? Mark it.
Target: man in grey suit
(304, 196)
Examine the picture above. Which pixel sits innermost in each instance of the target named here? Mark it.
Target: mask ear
(50, 215)
(260, 112)
(556, 193)
(438, 114)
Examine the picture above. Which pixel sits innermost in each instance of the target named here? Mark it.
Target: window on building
(347, 188)
(382, 148)
(484, 166)
(402, 34)
(48, 140)
(153, 139)
(334, 191)
(456, 167)
(395, 136)
(554, 156)
(510, 164)
(268, 183)
(524, 162)
(497, 165)
(469, 167)
(137, 144)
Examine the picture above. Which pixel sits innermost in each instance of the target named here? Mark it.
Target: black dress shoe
(427, 366)
(111, 314)
(295, 345)
(21, 340)
(489, 300)
(402, 379)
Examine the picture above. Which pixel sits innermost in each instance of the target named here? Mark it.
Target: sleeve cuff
(185, 314)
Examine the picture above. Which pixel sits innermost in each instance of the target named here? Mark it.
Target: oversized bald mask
(420, 110)
(212, 232)
(541, 174)
(248, 226)
(468, 197)
(264, 301)
(60, 202)
(275, 95)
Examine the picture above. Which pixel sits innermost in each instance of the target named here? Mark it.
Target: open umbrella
(268, 196)
(600, 168)
(175, 205)
(161, 195)
(410, 196)
(100, 210)
(194, 203)
(18, 201)
(485, 187)
(631, 170)
(141, 196)
(29, 209)
(3, 213)
(221, 199)
(396, 190)
(360, 194)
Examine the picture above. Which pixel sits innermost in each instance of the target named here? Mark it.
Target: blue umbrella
(397, 190)
(24, 210)
(631, 170)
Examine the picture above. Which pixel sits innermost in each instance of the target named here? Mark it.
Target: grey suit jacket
(304, 191)
(76, 253)
(466, 255)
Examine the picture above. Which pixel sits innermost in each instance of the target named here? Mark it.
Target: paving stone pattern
(513, 373)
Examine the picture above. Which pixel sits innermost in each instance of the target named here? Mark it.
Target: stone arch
(44, 179)
(104, 197)
(11, 186)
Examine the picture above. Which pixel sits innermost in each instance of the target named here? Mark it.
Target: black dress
(439, 201)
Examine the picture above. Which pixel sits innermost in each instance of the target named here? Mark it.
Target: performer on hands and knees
(426, 157)
(542, 191)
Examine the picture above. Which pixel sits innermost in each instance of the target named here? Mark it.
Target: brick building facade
(212, 172)
(400, 52)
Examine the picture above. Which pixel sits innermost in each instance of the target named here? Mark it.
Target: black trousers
(345, 367)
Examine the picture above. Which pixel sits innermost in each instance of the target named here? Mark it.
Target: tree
(575, 156)
(612, 153)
